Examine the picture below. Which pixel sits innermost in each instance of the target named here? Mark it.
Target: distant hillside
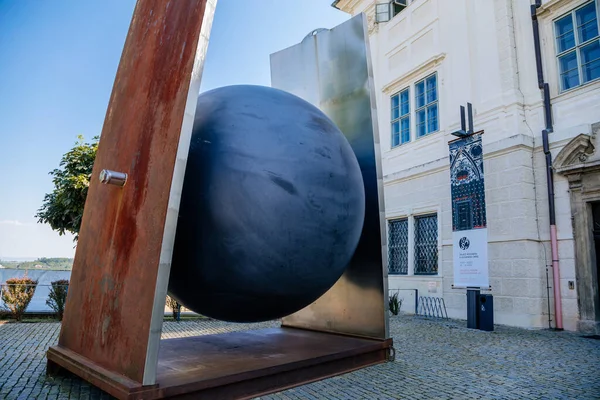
(40, 263)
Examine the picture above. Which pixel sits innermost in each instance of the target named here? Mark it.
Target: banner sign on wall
(469, 229)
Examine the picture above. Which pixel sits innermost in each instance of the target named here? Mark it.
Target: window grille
(426, 245)
(398, 246)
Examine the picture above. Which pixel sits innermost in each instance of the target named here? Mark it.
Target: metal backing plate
(332, 70)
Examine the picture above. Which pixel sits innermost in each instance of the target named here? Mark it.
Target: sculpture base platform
(235, 365)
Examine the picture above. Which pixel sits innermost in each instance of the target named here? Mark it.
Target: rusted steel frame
(120, 272)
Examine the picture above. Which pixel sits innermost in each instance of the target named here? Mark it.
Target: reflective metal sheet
(332, 70)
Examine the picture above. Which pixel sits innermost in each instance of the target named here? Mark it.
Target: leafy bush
(17, 294)
(174, 306)
(395, 304)
(58, 297)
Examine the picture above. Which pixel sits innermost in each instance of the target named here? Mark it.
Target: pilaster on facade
(506, 42)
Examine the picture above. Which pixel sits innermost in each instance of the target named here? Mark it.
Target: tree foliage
(58, 297)
(62, 209)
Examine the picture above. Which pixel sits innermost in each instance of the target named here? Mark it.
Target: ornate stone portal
(580, 163)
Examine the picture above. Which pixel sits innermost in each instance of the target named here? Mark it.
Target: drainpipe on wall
(549, 171)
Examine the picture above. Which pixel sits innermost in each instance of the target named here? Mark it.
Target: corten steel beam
(114, 311)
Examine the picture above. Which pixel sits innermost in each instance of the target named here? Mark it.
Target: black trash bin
(485, 312)
(472, 308)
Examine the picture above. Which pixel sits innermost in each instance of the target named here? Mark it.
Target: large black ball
(272, 206)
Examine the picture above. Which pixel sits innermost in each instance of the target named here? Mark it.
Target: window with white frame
(426, 103)
(578, 46)
(400, 118)
(413, 245)
(425, 111)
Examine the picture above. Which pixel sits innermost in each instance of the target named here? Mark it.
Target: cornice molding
(573, 157)
(552, 5)
(410, 75)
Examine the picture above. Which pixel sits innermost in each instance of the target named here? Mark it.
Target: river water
(38, 303)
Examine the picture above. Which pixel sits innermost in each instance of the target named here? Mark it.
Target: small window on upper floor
(398, 6)
(382, 12)
(424, 111)
(388, 10)
(578, 46)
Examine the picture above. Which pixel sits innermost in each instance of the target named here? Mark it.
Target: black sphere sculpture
(272, 206)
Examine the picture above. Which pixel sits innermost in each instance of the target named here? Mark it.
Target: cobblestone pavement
(435, 359)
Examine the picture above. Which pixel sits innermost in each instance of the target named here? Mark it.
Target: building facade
(432, 56)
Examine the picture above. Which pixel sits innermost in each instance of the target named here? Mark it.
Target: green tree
(62, 209)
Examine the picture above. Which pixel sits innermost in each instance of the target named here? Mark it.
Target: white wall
(483, 53)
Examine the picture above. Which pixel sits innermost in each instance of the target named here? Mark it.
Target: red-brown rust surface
(109, 307)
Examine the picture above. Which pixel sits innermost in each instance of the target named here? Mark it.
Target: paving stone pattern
(435, 359)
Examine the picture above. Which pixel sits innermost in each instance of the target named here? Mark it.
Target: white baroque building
(432, 56)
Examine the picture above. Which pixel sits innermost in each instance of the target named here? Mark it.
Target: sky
(58, 61)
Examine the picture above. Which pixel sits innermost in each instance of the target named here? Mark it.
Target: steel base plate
(236, 365)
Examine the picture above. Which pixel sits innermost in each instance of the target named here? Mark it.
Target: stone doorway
(580, 164)
(596, 233)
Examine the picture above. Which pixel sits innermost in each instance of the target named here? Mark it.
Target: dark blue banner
(467, 184)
